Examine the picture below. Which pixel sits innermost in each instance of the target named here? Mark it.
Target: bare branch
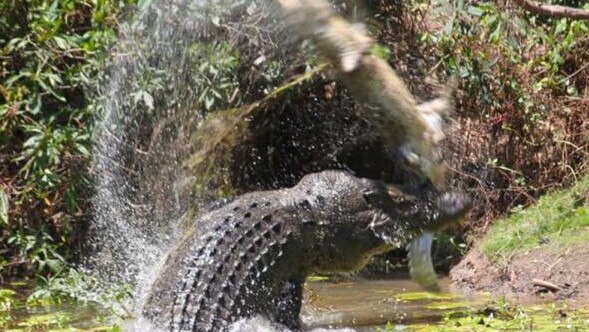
(554, 10)
(546, 284)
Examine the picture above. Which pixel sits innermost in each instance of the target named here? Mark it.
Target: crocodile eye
(369, 196)
(320, 200)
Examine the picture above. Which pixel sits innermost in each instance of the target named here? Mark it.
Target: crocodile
(251, 256)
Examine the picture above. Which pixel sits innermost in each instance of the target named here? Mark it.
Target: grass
(558, 220)
(503, 316)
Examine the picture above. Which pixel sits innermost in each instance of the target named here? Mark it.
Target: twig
(554, 264)
(583, 67)
(554, 10)
(546, 284)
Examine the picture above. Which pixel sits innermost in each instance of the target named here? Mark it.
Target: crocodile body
(251, 256)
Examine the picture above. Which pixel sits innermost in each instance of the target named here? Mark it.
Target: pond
(366, 305)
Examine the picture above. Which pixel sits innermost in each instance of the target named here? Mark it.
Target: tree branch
(554, 10)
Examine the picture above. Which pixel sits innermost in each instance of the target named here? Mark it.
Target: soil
(534, 274)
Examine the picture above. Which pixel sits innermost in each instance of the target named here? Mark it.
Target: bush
(52, 53)
(522, 85)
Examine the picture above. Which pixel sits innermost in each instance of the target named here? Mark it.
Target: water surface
(365, 305)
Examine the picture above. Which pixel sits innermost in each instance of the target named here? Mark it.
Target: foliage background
(520, 125)
(52, 54)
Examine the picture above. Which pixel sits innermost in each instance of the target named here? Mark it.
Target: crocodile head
(359, 217)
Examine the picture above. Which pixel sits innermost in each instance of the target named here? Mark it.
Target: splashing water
(151, 106)
(154, 100)
(155, 96)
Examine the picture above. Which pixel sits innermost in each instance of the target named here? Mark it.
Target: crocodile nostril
(305, 204)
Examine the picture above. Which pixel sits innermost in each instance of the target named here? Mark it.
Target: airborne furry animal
(414, 130)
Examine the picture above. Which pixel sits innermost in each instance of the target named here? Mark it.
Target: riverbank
(540, 251)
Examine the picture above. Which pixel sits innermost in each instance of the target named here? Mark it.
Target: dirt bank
(561, 274)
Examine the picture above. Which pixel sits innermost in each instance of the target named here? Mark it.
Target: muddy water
(369, 304)
(363, 305)
(344, 306)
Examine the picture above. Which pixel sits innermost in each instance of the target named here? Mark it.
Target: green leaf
(475, 11)
(71, 199)
(82, 150)
(49, 89)
(62, 43)
(4, 206)
(561, 26)
(55, 265)
(6, 293)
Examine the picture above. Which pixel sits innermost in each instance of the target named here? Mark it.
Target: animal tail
(421, 267)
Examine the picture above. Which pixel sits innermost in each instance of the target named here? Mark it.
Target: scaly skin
(251, 256)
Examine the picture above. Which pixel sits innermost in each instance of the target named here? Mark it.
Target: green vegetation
(17, 314)
(520, 75)
(558, 220)
(68, 302)
(52, 55)
(504, 316)
(523, 82)
(419, 296)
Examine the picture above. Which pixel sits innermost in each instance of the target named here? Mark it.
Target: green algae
(446, 305)
(424, 296)
(435, 312)
(18, 314)
(58, 319)
(318, 278)
(503, 316)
